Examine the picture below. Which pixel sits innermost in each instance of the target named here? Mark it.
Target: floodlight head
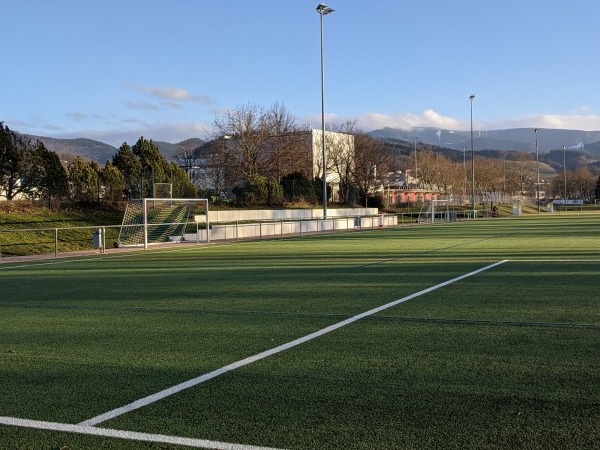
(323, 9)
(472, 97)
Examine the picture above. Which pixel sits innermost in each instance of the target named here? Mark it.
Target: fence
(66, 240)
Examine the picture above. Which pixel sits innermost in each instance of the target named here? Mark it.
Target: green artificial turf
(507, 358)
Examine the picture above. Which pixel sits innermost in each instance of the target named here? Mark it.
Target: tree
(259, 190)
(113, 183)
(84, 181)
(520, 173)
(489, 176)
(51, 176)
(187, 157)
(582, 183)
(131, 168)
(371, 163)
(248, 127)
(297, 187)
(181, 183)
(286, 144)
(340, 149)
(18, 164)
(214, 171)
(154, 166)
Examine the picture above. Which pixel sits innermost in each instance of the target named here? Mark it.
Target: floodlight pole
(323, 10)
(537, 160)
(472, 97)
(565, 172)
(465, 171)
(416, 173)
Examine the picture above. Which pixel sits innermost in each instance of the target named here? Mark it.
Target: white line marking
(129, 435)
(215, 373)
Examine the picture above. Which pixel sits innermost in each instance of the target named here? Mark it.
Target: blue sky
(117, 70)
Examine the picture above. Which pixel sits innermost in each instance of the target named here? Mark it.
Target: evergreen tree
(113, 183)
(131, 168)
(83, 181)
(52, 180)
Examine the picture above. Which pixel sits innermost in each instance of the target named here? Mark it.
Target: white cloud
(431, 118)
(171, 95)
(408, 121)
(77, 117)
(142, 105)
(585, 122)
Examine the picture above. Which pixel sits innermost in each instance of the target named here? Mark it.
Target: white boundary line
(129, 435)
(244, 362)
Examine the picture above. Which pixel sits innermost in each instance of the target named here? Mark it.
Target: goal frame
(150, 200)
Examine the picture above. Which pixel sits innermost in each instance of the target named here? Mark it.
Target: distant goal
(434, 211)
(163, 220)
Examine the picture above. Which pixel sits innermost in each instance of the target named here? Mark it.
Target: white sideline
(215, 373)
(129, 435)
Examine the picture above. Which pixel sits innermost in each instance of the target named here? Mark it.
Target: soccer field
(481, 334)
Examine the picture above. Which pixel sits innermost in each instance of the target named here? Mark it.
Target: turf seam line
(124, 434)
(425, 252)
(140, 403)
(509, 323)
(258, 313)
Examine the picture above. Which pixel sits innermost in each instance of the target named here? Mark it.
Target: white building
(339, 154)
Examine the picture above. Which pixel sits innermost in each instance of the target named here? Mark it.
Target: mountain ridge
(511, 139)
(101, 152)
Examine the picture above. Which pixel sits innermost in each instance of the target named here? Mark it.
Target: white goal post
(197, 213)
(430, 208)
(157, 220)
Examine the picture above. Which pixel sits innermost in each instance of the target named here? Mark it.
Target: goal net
(161, 220)
(436, 211)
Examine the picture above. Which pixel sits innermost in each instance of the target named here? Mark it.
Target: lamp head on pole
(472, 97)
(323, 9)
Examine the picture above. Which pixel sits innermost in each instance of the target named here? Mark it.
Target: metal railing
(87, 239)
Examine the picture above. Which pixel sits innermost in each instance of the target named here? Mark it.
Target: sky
(117, 70)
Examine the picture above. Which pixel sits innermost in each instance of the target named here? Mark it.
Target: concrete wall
(235, 215)
(258, 230)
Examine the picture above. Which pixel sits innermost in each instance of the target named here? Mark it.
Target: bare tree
(186, 157)
(519, 173)
(249, 127)
(489, 175)
(286, 149)
(340, 149)
(371, 162)
(213, 167)
(582, 183)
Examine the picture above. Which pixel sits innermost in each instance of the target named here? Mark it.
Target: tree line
(29, 170)
(260, 156)
(511, 173)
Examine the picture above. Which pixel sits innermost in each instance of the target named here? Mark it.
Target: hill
(515, 139)
(86, 148)
(91, 150)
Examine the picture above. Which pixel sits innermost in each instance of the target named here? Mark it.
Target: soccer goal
(436, 210)
(161, 220)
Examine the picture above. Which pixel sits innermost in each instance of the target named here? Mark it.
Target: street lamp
(472, 97)
(323, 10)
(537, 160)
